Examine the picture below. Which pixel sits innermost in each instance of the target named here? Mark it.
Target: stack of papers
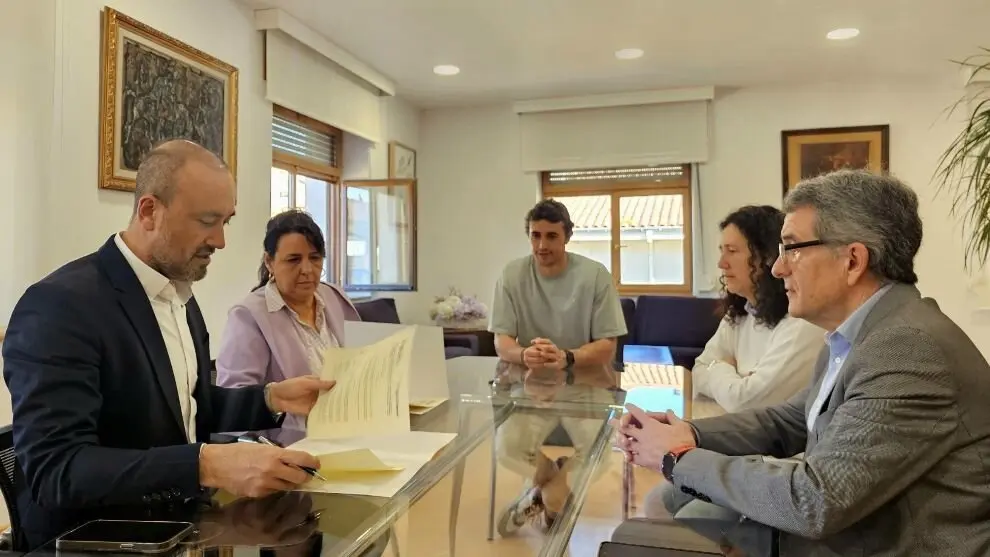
(360, 429)
(378, 466)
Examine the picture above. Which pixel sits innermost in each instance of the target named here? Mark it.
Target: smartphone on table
(131, 536)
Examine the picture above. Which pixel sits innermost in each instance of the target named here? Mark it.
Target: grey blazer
(898, 462)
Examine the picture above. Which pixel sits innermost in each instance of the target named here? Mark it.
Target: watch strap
(670, 460)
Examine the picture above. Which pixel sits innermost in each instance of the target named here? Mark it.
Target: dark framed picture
(809, 153)
(155, 88)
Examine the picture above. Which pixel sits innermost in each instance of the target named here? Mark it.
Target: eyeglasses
(787, 253)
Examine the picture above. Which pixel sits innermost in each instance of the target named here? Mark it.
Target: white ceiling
(525, 49)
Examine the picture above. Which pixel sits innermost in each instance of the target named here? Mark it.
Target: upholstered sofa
(680, 323)
(383, 310)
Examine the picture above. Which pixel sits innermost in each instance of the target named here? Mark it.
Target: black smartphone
(134, 536)
(613, 549)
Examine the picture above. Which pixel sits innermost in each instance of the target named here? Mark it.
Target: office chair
(9, 462)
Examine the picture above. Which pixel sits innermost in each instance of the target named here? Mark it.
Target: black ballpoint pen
(311, 471)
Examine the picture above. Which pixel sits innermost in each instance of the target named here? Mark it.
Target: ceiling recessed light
(842, 34)
(446, 69)
(629, 53)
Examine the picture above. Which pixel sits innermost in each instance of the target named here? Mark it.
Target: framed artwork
(808, 153)
(401, 161)
(154, 88)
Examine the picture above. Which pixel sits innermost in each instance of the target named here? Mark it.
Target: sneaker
(549, 517)
(528, 507)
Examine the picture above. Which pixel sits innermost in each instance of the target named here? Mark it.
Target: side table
(486, 340)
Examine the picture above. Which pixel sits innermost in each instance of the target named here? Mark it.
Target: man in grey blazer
(895, 427)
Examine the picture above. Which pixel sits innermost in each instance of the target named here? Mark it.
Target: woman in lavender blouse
(281, 329)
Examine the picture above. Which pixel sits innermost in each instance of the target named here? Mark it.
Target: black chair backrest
(9, 462)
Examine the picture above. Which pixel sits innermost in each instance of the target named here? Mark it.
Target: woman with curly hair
(759, 355)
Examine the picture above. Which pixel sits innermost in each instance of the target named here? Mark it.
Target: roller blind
(301, 79)
(296, 139)
(611, 137)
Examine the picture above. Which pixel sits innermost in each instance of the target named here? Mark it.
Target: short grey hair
(876, 210)
(156, 173)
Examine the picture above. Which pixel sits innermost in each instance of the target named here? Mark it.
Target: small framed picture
(809, 153)
(401, 161)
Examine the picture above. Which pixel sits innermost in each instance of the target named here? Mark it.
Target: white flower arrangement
(457, 309)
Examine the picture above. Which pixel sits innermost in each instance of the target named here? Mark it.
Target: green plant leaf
(963, 170)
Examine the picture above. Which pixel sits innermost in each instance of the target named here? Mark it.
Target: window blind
(301, 79)
(614, 137)
(635, 174)
(296, 139)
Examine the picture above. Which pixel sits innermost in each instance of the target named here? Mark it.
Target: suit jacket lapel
(898, 295)
(204, 379)
(134, 301)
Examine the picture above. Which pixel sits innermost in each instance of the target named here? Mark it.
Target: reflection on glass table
(451, 505)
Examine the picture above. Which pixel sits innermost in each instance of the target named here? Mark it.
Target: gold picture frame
(401, 161)
(154, 88)
(808, 153)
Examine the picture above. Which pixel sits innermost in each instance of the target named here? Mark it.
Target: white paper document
(371, 396)
(427, 363)
(378, 466)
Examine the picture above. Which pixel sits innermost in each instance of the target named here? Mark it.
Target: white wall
(470, 165)
(473, 197)
(27, 62)
(27, 34)
(222, 28)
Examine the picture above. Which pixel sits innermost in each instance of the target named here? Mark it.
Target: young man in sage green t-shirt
(556, 315)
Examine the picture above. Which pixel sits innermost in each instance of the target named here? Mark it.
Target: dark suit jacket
(898, 462)
(97, 426)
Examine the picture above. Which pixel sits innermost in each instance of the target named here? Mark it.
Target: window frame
(297, 166)
(414, 231)
(616, 189)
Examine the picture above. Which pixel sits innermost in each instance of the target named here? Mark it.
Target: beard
(174, 265)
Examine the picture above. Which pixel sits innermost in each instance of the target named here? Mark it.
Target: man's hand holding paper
(360, 429)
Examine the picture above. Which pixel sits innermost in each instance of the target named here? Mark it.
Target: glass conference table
(452, 505)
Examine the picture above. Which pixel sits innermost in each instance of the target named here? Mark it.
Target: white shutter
(615, 136)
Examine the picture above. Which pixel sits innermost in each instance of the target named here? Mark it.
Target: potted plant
(964, 168)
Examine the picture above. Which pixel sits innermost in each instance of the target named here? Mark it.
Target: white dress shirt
(771, 365)
(168, 300)
(840, 343)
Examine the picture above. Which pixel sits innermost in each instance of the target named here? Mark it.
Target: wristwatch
(569, 367)
(279, 417)
(670, 459)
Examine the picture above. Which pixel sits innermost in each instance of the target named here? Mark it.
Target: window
(635, 221)
(369, 225)
(306, 175)
(381, 235)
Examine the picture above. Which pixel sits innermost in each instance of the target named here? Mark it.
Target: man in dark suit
(894, 428)
(108, 365)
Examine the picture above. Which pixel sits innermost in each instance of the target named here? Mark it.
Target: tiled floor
(425, 530)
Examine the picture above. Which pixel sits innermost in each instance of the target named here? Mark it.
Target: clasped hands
(255, 470)
(543, 354)
(645, 437)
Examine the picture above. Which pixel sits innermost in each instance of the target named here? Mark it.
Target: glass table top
(515, 431)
